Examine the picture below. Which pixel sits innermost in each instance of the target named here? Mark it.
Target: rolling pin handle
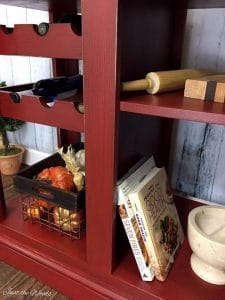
(136, 85)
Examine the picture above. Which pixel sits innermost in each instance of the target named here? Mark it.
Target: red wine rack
(52, 116)
(60, 41)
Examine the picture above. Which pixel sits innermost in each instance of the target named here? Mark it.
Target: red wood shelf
(63, 114)
(174, 105)
(181, 282)
(41, 238)
(67, 260)
(59, 42)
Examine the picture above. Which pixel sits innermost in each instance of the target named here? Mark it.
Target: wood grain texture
(197, 168)
(100, 128)
(175, 105)
(30, 43)
(79, 283)
(196, 157)
(209, 88)
(142, 57)
(204, 46)
(197, 151)
(53, 116)
(14, 284)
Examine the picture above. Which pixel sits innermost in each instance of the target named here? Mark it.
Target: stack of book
(150, 219)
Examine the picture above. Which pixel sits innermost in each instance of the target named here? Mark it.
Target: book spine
(136, 244)
(128, 218)
(146, 236)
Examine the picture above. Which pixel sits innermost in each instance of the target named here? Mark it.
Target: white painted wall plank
(3, 14)
(45, 142)
(40, 68)
(36, 16)
(20, 69)
(6, 69)
(15, 15)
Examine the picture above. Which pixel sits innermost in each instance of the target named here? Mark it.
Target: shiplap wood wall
(197, 161)
(23, 69)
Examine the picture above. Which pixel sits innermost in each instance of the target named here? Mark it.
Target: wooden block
(220, 92)
(210, 88)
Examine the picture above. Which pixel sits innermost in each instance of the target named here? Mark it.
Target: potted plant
(10, 155)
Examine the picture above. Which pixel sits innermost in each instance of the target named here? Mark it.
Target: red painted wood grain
(63, 114)
(175, 105)
(59, 42)
(64, 266)
(100, 65)
(91, 269)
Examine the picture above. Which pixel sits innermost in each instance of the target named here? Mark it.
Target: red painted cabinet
(121, 40)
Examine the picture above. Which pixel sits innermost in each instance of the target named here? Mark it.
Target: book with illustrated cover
(158, 220)
(124, 185)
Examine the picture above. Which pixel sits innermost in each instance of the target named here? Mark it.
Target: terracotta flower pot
(10, 164)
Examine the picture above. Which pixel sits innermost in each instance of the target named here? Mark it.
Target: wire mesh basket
(67, 222)
(56, 209)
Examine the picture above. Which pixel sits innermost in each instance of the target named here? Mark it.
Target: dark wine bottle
(75, 20)
(58, 87)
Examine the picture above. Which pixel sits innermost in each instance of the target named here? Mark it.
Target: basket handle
(42, 193)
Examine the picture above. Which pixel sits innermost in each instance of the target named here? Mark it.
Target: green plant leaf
(8, 124)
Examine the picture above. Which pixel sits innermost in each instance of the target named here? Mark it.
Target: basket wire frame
(45, 217)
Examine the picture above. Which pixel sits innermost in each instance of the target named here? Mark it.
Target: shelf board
(181, 280)
(174, 105)
(50, 250)
(57, 261)
(24, 40)
(30, 109)
(45, 242)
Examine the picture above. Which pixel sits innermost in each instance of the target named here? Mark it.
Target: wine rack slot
(52, 116)
(23, 39)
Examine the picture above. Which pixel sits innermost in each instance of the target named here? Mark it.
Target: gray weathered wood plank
(197, 161)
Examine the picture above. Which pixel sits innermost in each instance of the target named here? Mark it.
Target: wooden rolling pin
(164, 81)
